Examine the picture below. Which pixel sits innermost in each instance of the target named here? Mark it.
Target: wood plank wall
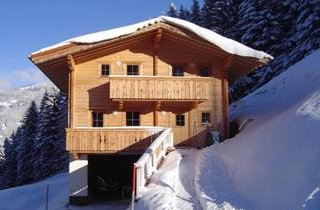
(92, 91)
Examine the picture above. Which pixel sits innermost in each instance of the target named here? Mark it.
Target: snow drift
(274, 162)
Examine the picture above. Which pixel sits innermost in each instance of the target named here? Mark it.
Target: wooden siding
(110, 140)
(159, 88)
(91, 91)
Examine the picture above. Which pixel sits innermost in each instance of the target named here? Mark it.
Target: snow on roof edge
(226, 44)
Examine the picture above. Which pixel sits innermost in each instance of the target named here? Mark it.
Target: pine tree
(307, 36)
(9, 173)
(207, 13)
(195, 15)
(184, 13)
(172, 10)
(26, 139)
(50, 139)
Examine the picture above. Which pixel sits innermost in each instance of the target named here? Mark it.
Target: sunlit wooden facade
(123, 92)
(162, 75)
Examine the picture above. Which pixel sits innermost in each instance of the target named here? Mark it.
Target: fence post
(133, 185)
(47, 197)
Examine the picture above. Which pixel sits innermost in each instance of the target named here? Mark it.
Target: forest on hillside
(289, 30)
(37, 148)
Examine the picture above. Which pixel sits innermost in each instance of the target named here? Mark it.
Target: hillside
(273, 163)
(13, 104)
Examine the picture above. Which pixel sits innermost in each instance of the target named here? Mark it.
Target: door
(181, 129)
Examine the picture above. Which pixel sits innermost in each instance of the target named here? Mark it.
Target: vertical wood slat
(86, 140)
(159, 88)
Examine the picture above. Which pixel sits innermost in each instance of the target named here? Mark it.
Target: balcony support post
(157, 41)
(72, 67)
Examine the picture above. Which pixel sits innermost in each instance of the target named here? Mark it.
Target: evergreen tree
(172, 10)
(195, 15)
(207, 13)
(26, 140)
(184, 13)
(9, 173)
(307, 36)
(50, 140)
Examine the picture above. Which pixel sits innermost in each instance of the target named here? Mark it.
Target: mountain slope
(13, 104)
(273, 163)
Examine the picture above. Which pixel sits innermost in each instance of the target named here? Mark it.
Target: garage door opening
(110, 176)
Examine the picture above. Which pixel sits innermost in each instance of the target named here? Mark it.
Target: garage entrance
(110, 176)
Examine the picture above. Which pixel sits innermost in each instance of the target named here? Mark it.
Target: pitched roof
(228, 45)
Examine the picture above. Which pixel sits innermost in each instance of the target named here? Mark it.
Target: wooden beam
(75, 156)
(194, 105)
(158, 105)
(157, 40)
(120, 107)
(228, 62)
(225, 105)
(72, 67)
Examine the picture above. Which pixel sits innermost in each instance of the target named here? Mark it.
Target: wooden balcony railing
(159, 88)
(111, 139)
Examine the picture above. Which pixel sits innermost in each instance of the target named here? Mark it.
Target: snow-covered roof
(227, 45)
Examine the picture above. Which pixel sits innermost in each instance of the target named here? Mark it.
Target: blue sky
(29, 25)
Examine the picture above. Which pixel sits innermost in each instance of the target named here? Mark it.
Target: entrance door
(181, 129)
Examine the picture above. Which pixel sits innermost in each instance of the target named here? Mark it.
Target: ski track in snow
(185, 185)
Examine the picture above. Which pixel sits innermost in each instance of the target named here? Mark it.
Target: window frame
(138, 70)
(95, 119)
(132, 120)
(180, 120)
(101, 69)
(201, 118)
(178, 73)
(204, 69)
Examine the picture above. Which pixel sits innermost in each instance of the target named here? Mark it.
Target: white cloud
(29, 76)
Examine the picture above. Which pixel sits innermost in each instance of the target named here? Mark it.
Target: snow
(228, 45)
(32, 197)
(172, 186)
(5, 104)
(160, 192)
(185, 183)
(273, 163)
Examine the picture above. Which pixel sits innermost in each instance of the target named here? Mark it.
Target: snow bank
(274, 162)
(160, 192)
(228, 45)
(32, 197)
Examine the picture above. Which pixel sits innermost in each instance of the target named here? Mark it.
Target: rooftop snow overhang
(53, 60)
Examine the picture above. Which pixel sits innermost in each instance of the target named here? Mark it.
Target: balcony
(158, 88)
(111, 139)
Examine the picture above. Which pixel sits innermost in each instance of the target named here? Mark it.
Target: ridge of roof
(228, 45)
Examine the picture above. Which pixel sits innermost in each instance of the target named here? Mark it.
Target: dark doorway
(110, 176)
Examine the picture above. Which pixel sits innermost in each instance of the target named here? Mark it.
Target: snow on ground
(185, 186)
(273, 163)
(160, 192)
(172, 186)
(32, 197)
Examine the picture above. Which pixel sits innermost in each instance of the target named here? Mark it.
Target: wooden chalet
(126, 85)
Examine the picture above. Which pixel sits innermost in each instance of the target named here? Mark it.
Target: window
(180, 120)
(133, 118)
(177, 71)
(204, 72)
(97, 119)
(205, 117)
(132, 70)
(105, 69)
